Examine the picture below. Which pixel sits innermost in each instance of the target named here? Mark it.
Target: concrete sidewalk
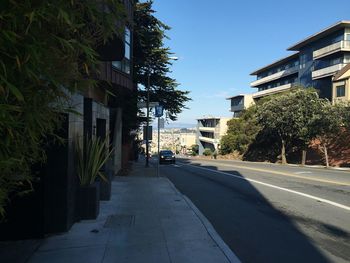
(147, 220)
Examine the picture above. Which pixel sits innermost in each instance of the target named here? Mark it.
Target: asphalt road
(271, 213)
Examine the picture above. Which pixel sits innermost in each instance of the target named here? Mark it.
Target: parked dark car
(166, 156)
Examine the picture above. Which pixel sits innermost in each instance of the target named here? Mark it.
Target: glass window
(347, 37)
(124, 64)
(336, 61)
(346, 58)
(341, 91)
(117, 64)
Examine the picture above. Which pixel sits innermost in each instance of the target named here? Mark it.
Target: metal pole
(158, 147)
(147, 121)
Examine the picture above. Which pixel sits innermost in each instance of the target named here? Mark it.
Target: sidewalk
(147, 220)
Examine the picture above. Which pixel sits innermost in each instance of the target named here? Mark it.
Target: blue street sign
(159, 111)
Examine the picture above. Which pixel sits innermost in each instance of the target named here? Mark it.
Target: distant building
(209, 132)
(318, 61)
(186, 141)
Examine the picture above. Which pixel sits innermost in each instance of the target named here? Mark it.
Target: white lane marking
(176, 165)
(303, 172)
(284, 173)
(279, 188)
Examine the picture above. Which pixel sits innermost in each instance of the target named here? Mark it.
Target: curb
(231, 257)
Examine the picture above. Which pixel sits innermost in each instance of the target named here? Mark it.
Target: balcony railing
(343, 45)
(207, 129)
(206, 139)
(271, 91)
(275, 76)
(326, 72)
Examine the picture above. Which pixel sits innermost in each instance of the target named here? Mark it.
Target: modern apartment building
(314, 62)
(320, 61)
(209, 132)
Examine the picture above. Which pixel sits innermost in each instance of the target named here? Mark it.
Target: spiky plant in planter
(91, 156)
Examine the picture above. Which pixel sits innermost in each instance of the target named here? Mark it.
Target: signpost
(158, 113)
(147, 104)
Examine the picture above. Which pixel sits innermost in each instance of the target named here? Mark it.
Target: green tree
(345, 114)
(47, 52)
(289, 116)
(326, 125)
(194, 149)
(152, 59)
(241, 132)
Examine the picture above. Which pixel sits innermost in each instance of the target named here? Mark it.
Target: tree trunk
(283, 153)
(303, 157)
(326, 155)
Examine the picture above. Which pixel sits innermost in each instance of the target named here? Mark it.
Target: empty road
(270, 213)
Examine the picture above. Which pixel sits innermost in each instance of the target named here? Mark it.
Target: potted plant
(91, 156)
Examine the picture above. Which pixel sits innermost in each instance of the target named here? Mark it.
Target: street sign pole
(158, 146)
(147, 120)
(159, 113)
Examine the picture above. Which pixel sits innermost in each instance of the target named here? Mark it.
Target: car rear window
(166, 152)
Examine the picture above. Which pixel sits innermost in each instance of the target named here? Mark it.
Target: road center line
(277, 187)
(284, 173)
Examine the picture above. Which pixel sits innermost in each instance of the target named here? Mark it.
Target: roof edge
(281, 60)
(313, 37)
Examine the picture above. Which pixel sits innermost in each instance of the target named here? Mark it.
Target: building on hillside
(186, 141)
(341, 85)
(316, 62)
(177, 140)
(209, 132)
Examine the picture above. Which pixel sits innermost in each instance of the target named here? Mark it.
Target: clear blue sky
(219, 43)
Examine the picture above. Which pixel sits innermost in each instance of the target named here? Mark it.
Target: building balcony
(326, 72)
(271, 91)
(275, 76)
(343, 45)
(206, 139)
(206, 129)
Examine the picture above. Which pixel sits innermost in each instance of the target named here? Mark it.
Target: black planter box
(106, 187)
(89, 201)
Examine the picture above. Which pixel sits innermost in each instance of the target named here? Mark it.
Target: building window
(236, 101)
(124, 64)
(341, 91)
(303, 60)
(346, 58)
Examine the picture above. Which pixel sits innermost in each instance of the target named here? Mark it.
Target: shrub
(207, 152)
